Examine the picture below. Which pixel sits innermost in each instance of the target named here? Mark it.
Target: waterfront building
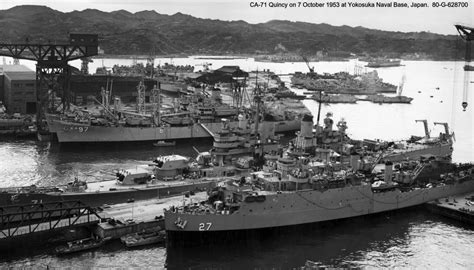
(17, 89)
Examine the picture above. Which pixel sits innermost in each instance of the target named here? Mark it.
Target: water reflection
(381, 241)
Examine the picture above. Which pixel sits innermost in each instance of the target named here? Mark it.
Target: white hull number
(205, 226)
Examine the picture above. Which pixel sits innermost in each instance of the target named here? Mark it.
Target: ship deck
(149, 209)
(111, 185)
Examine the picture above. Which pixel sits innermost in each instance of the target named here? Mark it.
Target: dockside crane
(425, 124)
(311, 69)
(467, 34)
(52, 69)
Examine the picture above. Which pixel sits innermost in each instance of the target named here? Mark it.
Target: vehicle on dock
(164, 143)
(81, 245)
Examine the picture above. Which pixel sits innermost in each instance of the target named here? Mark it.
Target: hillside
(122, 32)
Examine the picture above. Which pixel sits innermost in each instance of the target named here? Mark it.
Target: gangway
(207, 130)
(30, 218)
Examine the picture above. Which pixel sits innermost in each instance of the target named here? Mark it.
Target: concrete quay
(138, 216)
(460, 207)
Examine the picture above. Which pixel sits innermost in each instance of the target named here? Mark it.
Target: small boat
(143, 238)
(165, 143)
(80, 245)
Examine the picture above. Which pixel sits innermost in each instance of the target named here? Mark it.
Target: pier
(459, 207)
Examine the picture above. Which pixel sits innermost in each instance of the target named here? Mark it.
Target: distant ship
(396, 99)
(343, 83)
(335, 98)
(378, 63)
(312, 183)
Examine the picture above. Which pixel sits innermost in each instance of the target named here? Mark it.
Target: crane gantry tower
(52, 69)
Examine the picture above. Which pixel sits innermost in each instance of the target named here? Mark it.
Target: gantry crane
(467, 34)
(52, 69)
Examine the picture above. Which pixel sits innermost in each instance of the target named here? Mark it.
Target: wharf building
(17, 89)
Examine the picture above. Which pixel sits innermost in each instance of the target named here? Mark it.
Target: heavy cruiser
(268, 201)
(298, 188)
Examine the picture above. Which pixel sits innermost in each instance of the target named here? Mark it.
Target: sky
(405, 19)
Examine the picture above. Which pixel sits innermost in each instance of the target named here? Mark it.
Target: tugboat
(143, 238)
(80, 245)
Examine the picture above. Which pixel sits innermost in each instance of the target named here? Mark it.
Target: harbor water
(404, 239)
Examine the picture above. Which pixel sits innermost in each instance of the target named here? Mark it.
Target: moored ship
(378, 63)
(311, 183)
(232, 155)
(269, 201)
(200, 118)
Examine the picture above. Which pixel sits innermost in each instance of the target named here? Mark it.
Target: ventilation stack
(388, 172)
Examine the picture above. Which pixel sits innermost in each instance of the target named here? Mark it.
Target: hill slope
(122, 32)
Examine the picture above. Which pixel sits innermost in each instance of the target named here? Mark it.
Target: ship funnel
(307, 126)
(354, 161)
(267, 129)
(388, 172)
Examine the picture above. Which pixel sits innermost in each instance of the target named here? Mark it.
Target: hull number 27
(205, 226)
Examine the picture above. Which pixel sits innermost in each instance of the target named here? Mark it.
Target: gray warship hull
(72, 132)
(309, 206)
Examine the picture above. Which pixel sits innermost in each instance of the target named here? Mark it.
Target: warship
(389, 99)
(335, 98)
(343, 83)
(198, 117)
(232, 155)
(311, 182)
(378, 63)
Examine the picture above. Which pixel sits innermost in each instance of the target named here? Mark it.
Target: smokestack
(307, 126)
(388, 172)
(267, 129)
(354, 161)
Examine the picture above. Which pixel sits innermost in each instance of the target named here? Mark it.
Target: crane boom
(467, 34)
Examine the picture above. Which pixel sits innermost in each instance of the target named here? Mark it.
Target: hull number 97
(205, 226)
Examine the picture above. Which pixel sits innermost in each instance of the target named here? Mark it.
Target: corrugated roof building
(17, 89)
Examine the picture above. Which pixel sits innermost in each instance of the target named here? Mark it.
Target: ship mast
(156, 100)
(141, 98)
(400, 86)
(257, 103)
